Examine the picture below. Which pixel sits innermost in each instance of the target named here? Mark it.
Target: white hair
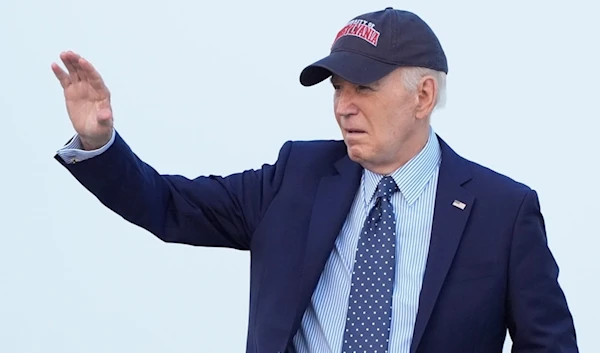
(412, 75)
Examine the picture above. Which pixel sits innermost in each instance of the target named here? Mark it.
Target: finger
(92, 75)
(74, 60)
(61, 75)
(66, 59)
(80, 71)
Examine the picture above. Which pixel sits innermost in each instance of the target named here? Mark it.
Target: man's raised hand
(87, 99)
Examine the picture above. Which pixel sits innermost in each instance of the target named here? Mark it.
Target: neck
(409, 150)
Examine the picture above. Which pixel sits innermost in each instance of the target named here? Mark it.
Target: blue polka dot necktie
(370, 303)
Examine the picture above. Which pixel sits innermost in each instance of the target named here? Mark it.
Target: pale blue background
(196, 86)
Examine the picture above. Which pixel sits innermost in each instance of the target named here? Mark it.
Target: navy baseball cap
(372, 45)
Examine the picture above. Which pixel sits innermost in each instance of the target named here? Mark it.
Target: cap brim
(352, 67)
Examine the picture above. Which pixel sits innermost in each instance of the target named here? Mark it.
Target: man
(387, 241)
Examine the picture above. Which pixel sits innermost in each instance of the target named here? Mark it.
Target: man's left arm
(539, 319)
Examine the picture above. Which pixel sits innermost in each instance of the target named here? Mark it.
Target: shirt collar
(412, 177)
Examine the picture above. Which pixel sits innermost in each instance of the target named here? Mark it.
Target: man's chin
(355, 152)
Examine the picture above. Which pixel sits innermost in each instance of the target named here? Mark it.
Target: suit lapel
(449, 222)
(333, 201)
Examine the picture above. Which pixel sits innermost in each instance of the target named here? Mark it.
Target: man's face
(380, 122)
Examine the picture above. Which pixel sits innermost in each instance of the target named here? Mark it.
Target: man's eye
(364, 88)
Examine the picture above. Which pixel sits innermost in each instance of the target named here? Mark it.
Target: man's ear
(426, 97)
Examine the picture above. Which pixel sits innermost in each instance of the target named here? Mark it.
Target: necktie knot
(386, 187)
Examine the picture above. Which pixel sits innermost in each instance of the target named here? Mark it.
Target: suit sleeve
(539, 319)
(206, 211)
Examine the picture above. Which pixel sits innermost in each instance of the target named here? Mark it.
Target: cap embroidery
(360, 28)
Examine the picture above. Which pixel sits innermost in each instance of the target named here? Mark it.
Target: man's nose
(345, 103)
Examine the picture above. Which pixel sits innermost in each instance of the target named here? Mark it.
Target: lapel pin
(459, 204)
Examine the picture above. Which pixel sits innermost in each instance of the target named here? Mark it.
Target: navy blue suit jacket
(489, 267)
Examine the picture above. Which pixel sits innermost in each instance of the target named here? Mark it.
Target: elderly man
(387, 241)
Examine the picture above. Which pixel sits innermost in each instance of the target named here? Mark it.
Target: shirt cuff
(73, 152)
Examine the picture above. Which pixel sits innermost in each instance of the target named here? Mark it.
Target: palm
(87, 99)
(83, 104)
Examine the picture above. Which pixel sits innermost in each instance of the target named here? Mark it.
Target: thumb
(104, 116)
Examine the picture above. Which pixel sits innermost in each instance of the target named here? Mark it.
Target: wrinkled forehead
(390, 78)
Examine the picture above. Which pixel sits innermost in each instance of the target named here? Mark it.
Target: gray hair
(412, 75)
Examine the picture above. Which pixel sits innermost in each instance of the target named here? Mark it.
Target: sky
(212, 88)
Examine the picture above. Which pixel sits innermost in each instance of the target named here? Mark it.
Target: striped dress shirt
(323, 324)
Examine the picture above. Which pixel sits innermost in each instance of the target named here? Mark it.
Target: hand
(87, 99)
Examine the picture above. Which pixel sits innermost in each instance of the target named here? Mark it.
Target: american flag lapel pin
(459, 204)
